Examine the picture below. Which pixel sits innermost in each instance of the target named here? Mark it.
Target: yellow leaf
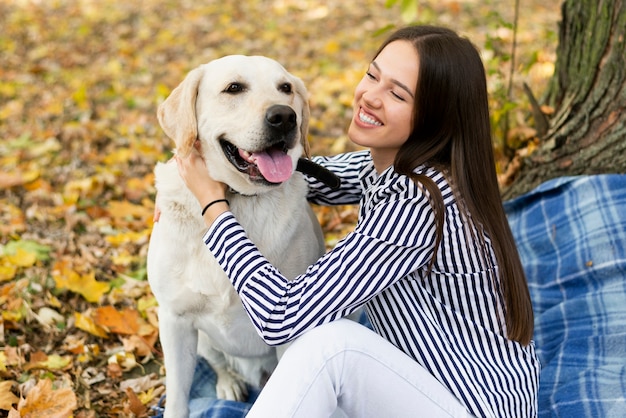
(7, 271)
(51, 362)
(83, 188)
(31, 175)
(126, 209)
(146, 302)
(3, 363)
(123, 258)
(7, 398)
(54, 302)
(119, 156)
(81, 97)
(22, 258)
(128, 237)
(147, 396)
(44, 402)
(114, 67)
(85, 285)
(332, 47)
(87, 324)
(14, 309)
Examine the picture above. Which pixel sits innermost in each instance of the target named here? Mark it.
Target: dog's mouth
(271, 166)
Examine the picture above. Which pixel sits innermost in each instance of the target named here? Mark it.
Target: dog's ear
(177, 114)
(306, 113)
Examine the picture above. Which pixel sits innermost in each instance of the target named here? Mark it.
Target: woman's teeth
(369, 120)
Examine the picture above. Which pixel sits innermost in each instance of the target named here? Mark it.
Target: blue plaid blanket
(571, 234)
(203, 402)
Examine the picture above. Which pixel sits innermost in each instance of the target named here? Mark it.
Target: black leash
(315, 170)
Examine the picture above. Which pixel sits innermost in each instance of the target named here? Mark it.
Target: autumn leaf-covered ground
(80, 81)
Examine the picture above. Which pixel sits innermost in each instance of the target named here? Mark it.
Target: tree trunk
(587, 130)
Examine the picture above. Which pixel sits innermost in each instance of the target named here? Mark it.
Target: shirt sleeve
(383, 249)
(348, 168)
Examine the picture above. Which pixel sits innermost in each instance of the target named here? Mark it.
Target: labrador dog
(251, 117)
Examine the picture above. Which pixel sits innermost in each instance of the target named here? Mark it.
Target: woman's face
(383, 103)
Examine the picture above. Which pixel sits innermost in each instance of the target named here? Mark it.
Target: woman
(432, 258)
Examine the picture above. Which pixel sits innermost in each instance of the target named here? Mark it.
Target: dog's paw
(230, 387)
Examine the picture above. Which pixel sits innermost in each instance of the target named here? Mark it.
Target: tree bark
(587, 130)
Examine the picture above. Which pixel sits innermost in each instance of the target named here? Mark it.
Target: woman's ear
(302, 92)
(177, 114)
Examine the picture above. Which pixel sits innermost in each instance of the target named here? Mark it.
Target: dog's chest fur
(198, 285)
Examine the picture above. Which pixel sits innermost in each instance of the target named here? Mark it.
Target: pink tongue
(274, 165)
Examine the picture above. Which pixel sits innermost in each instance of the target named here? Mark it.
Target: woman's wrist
(211, 203)
(213, 209)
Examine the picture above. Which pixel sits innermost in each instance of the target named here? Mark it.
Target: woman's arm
(395, 239)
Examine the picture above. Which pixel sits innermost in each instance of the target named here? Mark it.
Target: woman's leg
(344, 364)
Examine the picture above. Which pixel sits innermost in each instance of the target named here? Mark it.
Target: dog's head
(250, 115)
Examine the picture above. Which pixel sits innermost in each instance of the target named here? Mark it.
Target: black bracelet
(212, 203)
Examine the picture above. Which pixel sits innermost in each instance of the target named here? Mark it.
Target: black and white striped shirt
(449, 320)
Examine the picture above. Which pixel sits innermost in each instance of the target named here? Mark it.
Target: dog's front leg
(179, 340)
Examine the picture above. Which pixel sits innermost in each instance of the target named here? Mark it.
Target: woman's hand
(194, 173)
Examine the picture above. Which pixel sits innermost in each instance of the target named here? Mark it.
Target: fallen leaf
(84, 284)
(85, 323)
(8, 180)
(22, 258)
(135, 404)
(124, 209)
(27, 248)
(7, 398)
(124, 359)
(10, 358)
(51, 362)
(7, 271)
(49, 317)
(119, 322)
(142, 346)
(114, 371)
(44, 402)
(142, 384)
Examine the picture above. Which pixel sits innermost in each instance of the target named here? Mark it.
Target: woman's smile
(368, 119)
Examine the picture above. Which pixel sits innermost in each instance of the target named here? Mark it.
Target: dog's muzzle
(271, 165)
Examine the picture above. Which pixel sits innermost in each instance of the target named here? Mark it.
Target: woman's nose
(372, 98)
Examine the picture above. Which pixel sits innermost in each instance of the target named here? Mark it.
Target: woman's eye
(370, 75)
(234, 88)
(397, 96)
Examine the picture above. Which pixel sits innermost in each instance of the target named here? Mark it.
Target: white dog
(251, 117)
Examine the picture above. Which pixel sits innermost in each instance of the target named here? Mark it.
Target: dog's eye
(234, 88)
(285, 88)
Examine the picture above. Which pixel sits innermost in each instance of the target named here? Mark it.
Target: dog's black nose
(281, 118)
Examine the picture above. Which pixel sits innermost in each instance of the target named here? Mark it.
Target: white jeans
(345, 365)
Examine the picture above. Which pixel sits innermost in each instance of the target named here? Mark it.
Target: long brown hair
(451, 130)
